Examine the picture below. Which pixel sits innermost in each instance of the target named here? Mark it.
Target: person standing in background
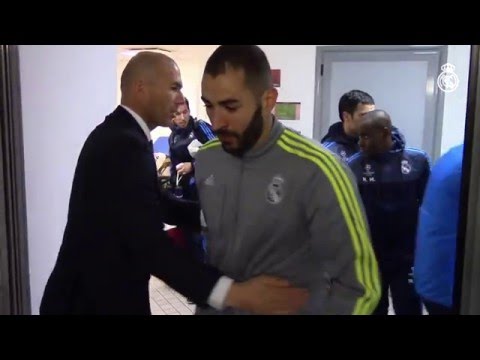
(185, 129)
(392, 180)
(342, 137)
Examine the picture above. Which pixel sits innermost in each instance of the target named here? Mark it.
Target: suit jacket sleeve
(140, 212)
(180, 212)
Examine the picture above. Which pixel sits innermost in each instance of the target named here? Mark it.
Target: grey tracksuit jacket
(289, 209)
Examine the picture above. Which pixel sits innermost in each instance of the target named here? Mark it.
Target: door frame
(435, 124)
(466, 296)
(14, 268)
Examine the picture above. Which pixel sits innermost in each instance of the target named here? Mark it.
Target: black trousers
(187, 190)
(398, 278)
(437, 309)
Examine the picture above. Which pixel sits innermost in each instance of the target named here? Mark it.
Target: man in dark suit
(114, 237)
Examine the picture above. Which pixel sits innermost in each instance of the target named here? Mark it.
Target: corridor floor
(165, 301)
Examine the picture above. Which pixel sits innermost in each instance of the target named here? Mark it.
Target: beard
(249, 138)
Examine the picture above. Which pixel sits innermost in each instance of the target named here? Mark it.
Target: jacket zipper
(236, 242)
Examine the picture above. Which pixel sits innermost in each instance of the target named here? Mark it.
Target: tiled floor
(165, 301)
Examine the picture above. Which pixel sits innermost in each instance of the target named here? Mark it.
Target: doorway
(401, 79)
(14, 272)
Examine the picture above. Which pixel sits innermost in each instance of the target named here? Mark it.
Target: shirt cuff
(219, 293)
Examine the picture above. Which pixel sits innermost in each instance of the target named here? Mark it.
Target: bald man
(391, 179)
(114, 238)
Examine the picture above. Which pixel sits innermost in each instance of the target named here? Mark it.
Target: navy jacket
(392, 187)
(340, 143)
(346, 146)
(178, 142)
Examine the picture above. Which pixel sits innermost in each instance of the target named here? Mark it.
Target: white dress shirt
(222, 287)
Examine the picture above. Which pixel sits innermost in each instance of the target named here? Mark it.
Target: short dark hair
(187, 103)
(250, 58)
(379, 118)
(349, 101)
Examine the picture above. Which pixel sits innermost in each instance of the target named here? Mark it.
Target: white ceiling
(179, 51)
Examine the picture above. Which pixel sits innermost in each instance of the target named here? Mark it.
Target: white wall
(66, 92)
(297, 65)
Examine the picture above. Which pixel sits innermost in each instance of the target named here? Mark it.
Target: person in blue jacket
(185, 129)
(342, 137)
(437, 234)
(391, 180)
